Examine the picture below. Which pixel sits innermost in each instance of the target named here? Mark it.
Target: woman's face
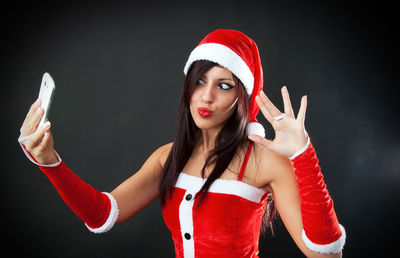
(214, 98)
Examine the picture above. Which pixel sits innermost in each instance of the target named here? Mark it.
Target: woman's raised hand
(38, 141)
(290, 135)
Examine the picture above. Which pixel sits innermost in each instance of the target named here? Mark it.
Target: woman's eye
(200, 82)
(225, 86)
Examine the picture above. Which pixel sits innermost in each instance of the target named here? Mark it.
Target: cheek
(230, 103)
(194, 96)
(226, 109)
(230, 109)
(192, 101)
(193, 104)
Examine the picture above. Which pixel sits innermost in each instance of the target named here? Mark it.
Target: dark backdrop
(118, 73)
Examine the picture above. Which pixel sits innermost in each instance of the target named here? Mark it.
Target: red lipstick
(204, 112)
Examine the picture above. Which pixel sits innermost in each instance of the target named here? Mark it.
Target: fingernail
(47, 124)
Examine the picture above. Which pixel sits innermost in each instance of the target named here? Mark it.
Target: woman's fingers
(32, 119)
(46, 139)
(286, 102)
(274, 111)
(37, 141)
(35, 119)
(37, 137)
(41, 147)
(264, 110)
(270, 111)
(35, 105)
(288, 136)
(267, 107)
(301, 116)
(260, 140)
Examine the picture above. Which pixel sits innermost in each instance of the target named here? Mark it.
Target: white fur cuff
(34, 162)
(332, 248)
(112, 217)
(301, 150)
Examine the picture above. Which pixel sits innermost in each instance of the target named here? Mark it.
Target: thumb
(260, 140)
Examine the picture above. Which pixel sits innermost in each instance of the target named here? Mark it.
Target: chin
(203, 124)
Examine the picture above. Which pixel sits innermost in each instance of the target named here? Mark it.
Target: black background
(118, 73)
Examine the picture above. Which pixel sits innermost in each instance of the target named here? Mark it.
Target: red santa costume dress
(226, 224)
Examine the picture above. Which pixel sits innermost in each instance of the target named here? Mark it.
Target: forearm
(98, 210)
(321, 231)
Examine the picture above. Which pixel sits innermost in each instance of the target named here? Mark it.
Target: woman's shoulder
(158, 157)
(162, 152)
(165, 148)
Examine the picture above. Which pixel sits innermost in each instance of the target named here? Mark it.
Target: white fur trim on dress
(186, 222)
(227, 58)
(255, 128)
(112, 217)
(223, 186)
(332, 248)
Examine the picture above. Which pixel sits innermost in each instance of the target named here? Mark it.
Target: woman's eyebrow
(221, 79)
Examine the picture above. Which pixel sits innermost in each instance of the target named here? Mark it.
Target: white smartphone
(46, 95)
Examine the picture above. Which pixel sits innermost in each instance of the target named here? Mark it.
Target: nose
(208, 93)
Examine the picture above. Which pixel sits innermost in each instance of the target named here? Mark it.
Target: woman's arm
(285, 190)
(142, 188)
(299, 190)
(98, 210)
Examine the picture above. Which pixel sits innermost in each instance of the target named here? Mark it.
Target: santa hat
(239, 54)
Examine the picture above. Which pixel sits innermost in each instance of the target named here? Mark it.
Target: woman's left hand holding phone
(38, 141)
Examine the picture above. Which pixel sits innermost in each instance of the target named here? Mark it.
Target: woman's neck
(207, 140)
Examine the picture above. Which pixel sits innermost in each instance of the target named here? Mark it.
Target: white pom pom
(255, 128)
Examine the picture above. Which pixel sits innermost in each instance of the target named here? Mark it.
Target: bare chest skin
(251, 174)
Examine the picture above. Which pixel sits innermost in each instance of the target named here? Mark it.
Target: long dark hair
(228, 141)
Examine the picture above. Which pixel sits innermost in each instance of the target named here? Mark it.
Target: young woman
(217, 177)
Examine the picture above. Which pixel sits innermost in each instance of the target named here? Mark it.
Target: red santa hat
(239, 54)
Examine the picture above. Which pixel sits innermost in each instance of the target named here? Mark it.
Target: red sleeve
(322, 232)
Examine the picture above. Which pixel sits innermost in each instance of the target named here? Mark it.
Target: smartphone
(46, 95)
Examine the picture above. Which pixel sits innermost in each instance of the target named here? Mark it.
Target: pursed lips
(204, 112)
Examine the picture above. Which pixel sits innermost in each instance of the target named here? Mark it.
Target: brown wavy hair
(229, 140)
